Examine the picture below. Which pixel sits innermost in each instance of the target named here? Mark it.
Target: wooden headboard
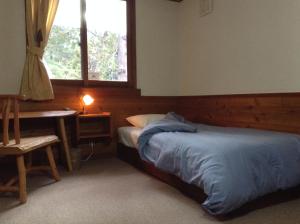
(278, 112)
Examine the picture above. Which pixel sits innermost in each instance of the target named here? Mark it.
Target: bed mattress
(129, 136)
(232, 165)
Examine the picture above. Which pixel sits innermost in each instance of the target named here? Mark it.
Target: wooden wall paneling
(121, 102)
(278, 112)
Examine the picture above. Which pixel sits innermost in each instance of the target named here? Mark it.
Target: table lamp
(87, 100)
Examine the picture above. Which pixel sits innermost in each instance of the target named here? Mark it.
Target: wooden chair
(19, 147)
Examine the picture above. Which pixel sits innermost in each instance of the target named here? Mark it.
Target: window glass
(106, 40)
(63, 53)
(92, 34)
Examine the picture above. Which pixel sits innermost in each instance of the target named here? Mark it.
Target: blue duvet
(232, 165)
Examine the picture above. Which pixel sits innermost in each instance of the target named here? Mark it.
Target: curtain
(40, 16)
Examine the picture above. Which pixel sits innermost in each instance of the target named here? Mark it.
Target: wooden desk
(59, 116)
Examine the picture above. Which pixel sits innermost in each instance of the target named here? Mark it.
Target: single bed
(127, 151)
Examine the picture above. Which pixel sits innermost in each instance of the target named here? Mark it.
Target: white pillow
(142, 120)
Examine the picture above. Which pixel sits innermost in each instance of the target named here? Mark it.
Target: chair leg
(29, 161)
(22, 179)
(54, 171)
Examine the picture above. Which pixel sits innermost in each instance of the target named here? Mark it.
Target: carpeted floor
(109, 191)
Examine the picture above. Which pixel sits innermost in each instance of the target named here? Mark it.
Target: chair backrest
(9, 101)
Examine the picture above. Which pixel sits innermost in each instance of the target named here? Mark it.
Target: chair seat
(27, 144)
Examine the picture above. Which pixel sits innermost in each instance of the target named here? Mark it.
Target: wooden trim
(24, 170)
(131, 156)
(5, 122)
(22, 179)
(131, 43)
(8, 189)
(269, 111)
(59, 82)
(8, 102)
(16, 122)
(83, 43)
(78, 91)
(52, 163)
(243, 95)
(64, 141)
(94, 83)
(9, 96)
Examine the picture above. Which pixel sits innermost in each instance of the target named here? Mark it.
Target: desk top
(45, 114)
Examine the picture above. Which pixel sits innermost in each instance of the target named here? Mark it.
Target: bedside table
(94, 126)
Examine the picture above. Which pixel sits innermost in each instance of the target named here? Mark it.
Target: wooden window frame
(131, 53)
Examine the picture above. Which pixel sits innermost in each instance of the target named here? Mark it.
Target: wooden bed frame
(131, 156)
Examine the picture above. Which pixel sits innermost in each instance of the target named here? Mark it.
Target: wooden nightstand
(94, 126)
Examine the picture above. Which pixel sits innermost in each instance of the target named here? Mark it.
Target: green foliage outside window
(63, 54)
(102, 56)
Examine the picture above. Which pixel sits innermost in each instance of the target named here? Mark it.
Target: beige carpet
(110, 191)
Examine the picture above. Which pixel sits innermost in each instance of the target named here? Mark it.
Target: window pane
(107, 40)
(62, 54)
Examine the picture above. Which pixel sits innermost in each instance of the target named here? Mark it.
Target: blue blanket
(232, 165)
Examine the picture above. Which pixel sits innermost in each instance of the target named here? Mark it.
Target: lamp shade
(87, 100)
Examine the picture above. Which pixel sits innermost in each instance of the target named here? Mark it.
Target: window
(93, 42)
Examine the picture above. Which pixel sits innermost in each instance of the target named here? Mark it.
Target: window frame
(131, 53)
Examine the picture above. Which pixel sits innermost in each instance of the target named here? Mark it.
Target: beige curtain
(40, 15)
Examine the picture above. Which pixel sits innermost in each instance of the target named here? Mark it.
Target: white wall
(249, 46)
(244, 46)
(156, 46)
(12, 45)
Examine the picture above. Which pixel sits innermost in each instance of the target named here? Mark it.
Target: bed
(207, 162)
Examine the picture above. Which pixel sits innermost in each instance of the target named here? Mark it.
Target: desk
(59, 116)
